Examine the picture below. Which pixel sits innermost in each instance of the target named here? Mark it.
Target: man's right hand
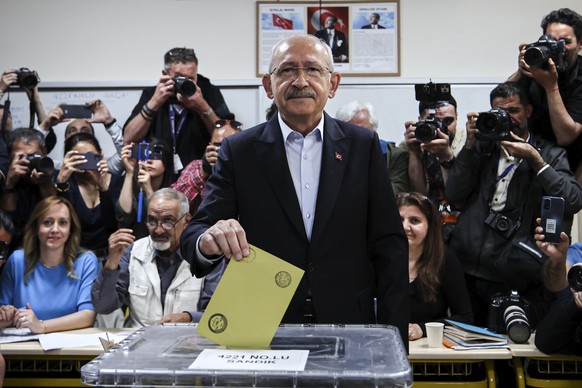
(19, 167)
(54, 117)
(225, 237)
(9, 77)
(118, 242)
(164, 90)
(410, 137)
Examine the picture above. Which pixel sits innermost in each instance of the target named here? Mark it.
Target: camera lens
(502, 224)
(425, 132)
(487, 123)
(575, 277)
(45, 165)
(536, 56)
(185, 86)
(516, 324)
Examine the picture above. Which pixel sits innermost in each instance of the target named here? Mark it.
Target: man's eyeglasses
(290, 72)
(167, 225)
(233, 123)
(181, 52)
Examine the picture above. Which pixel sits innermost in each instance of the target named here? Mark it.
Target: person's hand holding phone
(104, 175)
(100, 112)
(70, 162)
(127, 159)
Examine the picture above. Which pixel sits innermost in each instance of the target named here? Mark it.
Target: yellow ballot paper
(249, 301)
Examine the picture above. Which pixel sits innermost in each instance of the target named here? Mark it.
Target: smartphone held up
(552, 215)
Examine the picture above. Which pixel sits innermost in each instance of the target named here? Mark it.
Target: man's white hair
(351, 109)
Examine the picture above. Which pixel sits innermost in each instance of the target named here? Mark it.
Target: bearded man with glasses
(313, 191)
(181, 109)
(149, 275)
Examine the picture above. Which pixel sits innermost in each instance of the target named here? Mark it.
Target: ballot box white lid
(339, 356)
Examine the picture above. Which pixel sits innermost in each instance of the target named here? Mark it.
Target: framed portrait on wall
(364, 36)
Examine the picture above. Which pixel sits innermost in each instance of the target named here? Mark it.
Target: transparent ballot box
(339, 356)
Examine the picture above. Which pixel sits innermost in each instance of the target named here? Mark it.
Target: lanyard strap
(176, 131)
(505, 172)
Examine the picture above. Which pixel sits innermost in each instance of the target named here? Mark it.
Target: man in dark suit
(374, 23)
(334, 39)
(313, 191)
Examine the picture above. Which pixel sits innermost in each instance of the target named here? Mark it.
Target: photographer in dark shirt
(561, 329)
(181, 109)
(555, 85)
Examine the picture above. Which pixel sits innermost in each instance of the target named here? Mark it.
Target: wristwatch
(447, 164)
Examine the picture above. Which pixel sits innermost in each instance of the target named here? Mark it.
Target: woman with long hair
(437, 284)
(46, 286)
(146, 173)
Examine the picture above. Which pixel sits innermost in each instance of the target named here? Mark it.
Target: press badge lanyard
(175, 131)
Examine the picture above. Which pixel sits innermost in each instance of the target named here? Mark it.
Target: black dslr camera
(503, 225)
(26, 78)
(537, 53)
(575, 277)
(508, 314)
(39, 163)
(185, 86)
(146, 151)
(431, 94)
(494, 125)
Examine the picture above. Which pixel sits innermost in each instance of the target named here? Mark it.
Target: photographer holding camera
(561, 329)
(498, 183)
(28, 80)
(28, 180)
(431, 156)
(551, 71)
(181, 109)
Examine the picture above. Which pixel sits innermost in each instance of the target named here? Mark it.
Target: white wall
(110, 43)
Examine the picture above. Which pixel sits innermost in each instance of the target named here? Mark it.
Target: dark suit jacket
(358, 249)
(340, 43)
(369, 27)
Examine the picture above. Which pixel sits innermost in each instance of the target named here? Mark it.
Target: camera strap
(5, 117)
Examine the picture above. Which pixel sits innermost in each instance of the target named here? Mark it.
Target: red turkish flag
(285, 24)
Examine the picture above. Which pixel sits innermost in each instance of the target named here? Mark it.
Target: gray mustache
(299, 93)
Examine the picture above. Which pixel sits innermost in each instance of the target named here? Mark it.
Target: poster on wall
(363, 36)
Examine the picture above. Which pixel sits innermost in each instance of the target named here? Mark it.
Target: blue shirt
(575, 253)
(50, 292)
(304, 160)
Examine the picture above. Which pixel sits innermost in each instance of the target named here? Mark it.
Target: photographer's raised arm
(198, 104)
(416, 174)
(146, 111)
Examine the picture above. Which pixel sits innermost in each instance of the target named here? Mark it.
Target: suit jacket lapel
(273, 159)
(334, 159)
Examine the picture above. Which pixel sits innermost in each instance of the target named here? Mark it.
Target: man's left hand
(439, 147)
(195, 102)
(547, 78)
(100, 111)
